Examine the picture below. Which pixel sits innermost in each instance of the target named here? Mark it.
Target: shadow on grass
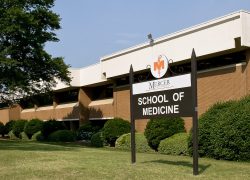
(38, 146)
(202, 168)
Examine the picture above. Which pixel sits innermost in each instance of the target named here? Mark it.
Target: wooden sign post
(166, 97)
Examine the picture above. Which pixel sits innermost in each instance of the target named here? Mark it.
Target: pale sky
(91, 29)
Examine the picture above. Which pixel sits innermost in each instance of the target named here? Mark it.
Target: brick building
(101, 91)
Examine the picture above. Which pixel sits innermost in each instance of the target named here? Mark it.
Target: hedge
(9, 126)
(113, 129)
(51, 126)
(124, 143)
(224, 131)
(62, 136)
(175, 145)
(97, 140)
(161, 128)
(2, 129)
(12, 136)
(86, 131)
(37, 136)
(18, 127)
(24, 136)
(33, 126)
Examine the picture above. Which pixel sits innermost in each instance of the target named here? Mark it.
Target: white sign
(160, 66)
(176, 82)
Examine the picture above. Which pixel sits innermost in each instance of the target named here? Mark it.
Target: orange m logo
(159, 65)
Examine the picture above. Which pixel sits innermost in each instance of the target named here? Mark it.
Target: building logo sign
(159, 66)
(163, 97)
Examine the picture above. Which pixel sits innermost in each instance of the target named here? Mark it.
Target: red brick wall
(4, 115)
(214, 86)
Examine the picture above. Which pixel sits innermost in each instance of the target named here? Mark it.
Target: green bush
(12, 135)
(9, 126)
(19, 127)
(86, 131)
(161, 128)
(62, 136)
(2, 129)
(36, 136)
(32, 127)
(206, 123)
(97, 140)
(51, 126)
(113, 129)
(24, 136)
(224, 131)
(175, 145)
(124, 142)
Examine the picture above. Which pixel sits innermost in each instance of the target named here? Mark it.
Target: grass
(32, 160)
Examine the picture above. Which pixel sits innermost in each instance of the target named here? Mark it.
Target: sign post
(195, 114)
(166, 97)
(131, 81)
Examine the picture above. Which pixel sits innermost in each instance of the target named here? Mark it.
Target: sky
(91, 29)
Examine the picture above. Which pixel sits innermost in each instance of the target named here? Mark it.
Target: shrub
(37, 136)
(206, 123)
(2, 129)
(113, 129)
(224, 131)
(51, 126)
(9, 126)
(161, 128)
(24, 136)
(12, 135)
(62, 136)
(19, 127)
(124, 142)
(32, 127)
(175, 145)
(86, 131)
(97, 140)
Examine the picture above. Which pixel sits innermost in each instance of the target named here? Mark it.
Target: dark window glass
(66, 96)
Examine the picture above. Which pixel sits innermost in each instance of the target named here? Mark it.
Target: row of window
(184, 68)
(106, 91)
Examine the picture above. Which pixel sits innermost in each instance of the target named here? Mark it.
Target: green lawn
(31, 160)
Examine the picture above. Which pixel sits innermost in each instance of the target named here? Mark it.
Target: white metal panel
(83, 77)
(60, 85)
(75, 74)
(91, 75)
(75, 80)
(245, 40)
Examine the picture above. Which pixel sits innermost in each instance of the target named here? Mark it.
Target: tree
(25, 67)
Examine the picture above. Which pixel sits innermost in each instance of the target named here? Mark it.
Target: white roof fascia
(209, 37)
(83, 76)
(75, 80)
(91, 75)
(245, 25)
